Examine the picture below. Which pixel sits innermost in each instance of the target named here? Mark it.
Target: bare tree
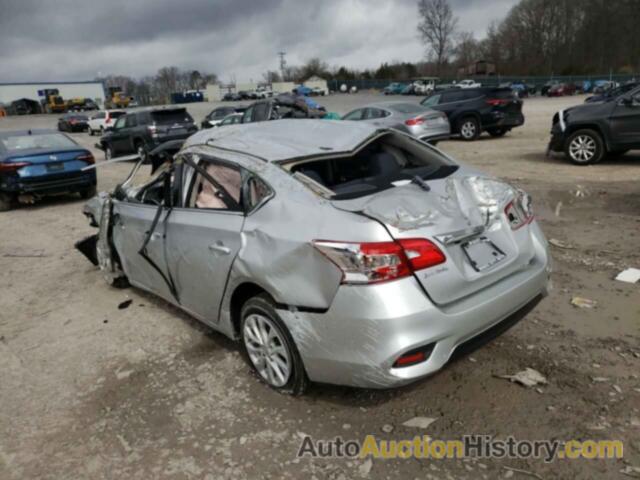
(437, 28)
(467, 49)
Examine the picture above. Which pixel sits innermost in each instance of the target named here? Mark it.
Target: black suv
(474, 110)
(588, 132)
(142, 131)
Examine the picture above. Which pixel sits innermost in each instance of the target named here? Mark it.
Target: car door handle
(220, 249)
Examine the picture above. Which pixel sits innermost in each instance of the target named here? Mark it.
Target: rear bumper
(367, 328)
(511, 120)
(49, 184)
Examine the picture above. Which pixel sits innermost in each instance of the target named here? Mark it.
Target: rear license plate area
(55, 167)
(482, 253)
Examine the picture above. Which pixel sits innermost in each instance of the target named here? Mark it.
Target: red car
(562, 89)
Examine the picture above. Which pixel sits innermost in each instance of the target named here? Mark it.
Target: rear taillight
(11, 167)
(519, 211)
(87, 158)
(374, 262)
(414, 121)
(494, 102)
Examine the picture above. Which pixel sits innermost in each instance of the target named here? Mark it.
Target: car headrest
(383, 163)
(313, 175)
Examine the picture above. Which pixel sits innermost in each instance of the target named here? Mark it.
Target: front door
(625, 122)
(119, 137)
(204, 237)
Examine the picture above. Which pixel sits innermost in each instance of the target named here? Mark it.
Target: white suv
(102, 120)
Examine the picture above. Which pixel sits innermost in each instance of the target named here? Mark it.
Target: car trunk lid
(465, 216)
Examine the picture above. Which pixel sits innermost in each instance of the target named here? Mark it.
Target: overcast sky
(81, 39)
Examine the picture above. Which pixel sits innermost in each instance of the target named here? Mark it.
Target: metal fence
(491, 81)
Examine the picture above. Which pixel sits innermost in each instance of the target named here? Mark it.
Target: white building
(10, 92)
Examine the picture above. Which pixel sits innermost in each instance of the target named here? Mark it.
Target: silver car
(334, 252)
(415, 119)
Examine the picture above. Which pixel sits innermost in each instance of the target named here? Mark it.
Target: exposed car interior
(375, 167)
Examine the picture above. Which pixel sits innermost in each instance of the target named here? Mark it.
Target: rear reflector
(414, 121)
(374, 262)
(415, 356)
(88, 158)
(12, 166)
(494, 102)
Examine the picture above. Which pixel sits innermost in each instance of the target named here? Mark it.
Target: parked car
(561, 90)
(73, 122)
(319, 92)
(612, 94)
(409, 90)
(602, 86)
(394, 88)
(419, 121)
(42, 162)
(231, 119)
(101, 120)
(142, 131)
(302, 90)
(218, 114)
(282, 106)
(468, 84)
(334, 252)
(544, 90)
(245, 95)
(589, 132)
(231, 97)
(475, 110)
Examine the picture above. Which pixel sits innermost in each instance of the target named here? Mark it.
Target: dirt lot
(91, 391)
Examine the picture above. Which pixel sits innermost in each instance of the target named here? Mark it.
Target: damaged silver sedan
(333, 251)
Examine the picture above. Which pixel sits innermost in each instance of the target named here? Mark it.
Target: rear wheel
(497, 132)
(469, 128)
(7, 202)
(269, 347)
(584, 147)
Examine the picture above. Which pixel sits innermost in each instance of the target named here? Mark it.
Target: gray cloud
(80, 39)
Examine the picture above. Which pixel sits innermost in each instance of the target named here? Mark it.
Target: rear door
(625, 122)
(119, 138)
(204, 237)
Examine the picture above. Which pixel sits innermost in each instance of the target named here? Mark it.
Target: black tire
(108, 152)
(498, 132)
(89, 192)
(7, 202)
(584, 147)
(262, 306)
(469, 128)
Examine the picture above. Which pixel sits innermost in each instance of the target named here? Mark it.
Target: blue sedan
(42, 162)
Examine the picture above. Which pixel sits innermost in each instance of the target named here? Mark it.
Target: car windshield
(407, 107)
(45, 141)
(169, 117)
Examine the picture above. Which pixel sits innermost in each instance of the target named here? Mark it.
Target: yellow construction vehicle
(52, 101)
(117, 99)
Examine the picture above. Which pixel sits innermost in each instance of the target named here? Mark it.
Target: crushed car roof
(285, 139)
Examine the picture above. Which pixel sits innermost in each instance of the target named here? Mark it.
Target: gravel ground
(91, 391)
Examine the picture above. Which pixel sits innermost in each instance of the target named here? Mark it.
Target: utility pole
(283, 63)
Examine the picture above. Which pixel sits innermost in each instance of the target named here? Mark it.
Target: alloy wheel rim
(582, 148)
(267, 350)
(468, 129)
